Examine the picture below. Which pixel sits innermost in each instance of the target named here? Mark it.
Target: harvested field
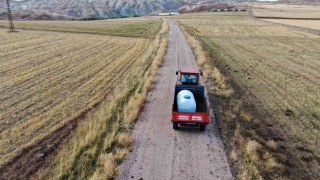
(50, 79)
(275, 110)
(287, 11)
(132, 27)
(293, 15)
(312, 24)
(54, 75)
(103, 140)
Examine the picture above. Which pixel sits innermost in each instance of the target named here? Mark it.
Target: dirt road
(159, 152)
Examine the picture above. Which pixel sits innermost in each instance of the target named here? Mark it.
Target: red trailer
(189, 79)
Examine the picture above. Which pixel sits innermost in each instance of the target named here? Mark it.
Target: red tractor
(190, 105)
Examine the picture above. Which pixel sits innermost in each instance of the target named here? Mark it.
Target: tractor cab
(188, 77)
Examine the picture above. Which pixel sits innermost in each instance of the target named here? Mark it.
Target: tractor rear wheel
(202, 127)
(175, 126)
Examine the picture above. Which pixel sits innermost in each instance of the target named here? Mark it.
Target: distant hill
(94, 9)
(67, 9)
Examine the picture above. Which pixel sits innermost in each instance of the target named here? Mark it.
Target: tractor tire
(175, 126)
(202, 127)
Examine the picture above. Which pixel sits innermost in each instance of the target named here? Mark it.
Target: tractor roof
(189, 71)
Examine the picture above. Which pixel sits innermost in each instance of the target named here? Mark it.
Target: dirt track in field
(274, 17)
(159, 152)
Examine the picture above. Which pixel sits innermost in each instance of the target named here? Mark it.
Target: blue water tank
(186, 101)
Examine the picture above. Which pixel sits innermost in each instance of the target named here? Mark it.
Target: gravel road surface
(158, 151)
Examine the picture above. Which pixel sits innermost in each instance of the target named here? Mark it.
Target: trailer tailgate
(188, 117)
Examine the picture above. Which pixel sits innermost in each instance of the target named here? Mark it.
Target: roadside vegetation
(72, 99)
(146, 27)
(265, 90)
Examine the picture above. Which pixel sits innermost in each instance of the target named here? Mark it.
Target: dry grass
(238, 139)
(275, 73)
(251, 159)
(229, 115)
(246, 116)
(125, 139)
(272, 145)
(252, 147)
(120, 154)
(108, 167)
(234, 155)
(269, 162)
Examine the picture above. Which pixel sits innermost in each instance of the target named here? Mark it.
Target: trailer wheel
(175, 126)
(202, 127)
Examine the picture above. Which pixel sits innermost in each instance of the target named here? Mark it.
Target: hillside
(66, 9)
(79, 9)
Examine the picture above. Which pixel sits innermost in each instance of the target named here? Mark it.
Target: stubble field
(275, 73)
(286, 11)
(48, 79)
(57, 84)
(129, 27)
(294, 15)
(311, 24)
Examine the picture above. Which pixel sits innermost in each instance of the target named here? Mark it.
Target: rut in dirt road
(159, 152)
